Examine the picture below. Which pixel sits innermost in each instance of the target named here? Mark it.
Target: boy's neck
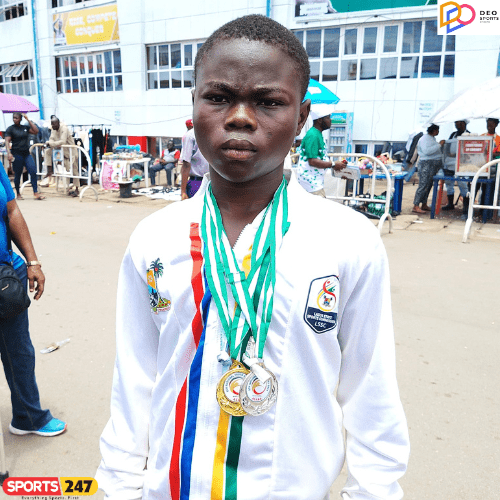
(240, 203)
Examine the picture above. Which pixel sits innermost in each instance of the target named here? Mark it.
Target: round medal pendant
(257, 397)
(228, 389)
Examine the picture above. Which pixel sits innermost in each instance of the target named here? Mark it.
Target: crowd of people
(427, 155)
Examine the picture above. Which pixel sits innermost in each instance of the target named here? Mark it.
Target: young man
(19, 153)
(313, 158)
(258, 330)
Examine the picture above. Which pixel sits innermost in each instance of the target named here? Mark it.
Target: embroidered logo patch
(156, 302)
(322, 305)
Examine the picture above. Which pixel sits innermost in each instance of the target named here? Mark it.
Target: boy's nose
(241, 116)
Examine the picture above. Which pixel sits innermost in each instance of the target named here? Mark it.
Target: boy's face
(247, 108)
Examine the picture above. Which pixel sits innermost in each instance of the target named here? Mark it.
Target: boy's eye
(217, 99)
(269, 103)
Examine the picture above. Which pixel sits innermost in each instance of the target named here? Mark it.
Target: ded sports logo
(49, 487)
(473, 17)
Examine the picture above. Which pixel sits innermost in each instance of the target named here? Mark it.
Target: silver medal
(258, 396)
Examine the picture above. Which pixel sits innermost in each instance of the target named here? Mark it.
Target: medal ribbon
(253, 294)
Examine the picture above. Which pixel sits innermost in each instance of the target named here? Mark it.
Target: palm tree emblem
(157, 268)
(156, 301)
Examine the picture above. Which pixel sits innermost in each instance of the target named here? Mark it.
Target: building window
(98, 72)
(331, 71)
(361, 149)
(331, 43)
(349, 70)
(370, 41)
(432, 41)
(350, 41)
(17, 78)
(412, 33)
(431, 66)
(171, 65)
(11, 9)
(388, 68)
(314, 73)
(62, 3)
(409, 67)
(313, 43)
(368, 69)
(409, 49)
(390, 38)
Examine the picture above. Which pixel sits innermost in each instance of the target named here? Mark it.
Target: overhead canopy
(13, 71)
(480, 101)
(11, 103)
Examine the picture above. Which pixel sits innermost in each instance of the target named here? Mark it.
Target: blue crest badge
(323, 304)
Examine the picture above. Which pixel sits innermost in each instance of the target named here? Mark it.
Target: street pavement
(446, 316)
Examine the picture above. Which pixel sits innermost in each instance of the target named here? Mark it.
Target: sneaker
(53, 428)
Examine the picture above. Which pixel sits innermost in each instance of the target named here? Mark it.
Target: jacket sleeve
(124, 441)
(377, 443)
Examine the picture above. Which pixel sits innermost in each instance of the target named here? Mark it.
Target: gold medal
(228, 389)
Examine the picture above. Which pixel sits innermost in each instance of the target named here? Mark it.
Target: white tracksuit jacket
(330, 345)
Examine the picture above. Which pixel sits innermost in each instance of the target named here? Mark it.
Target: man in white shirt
(194, 166)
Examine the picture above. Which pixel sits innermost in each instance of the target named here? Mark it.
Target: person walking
(18, 153)
(16, 350)
(430, 161)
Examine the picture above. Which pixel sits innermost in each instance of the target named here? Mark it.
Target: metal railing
(377, 164)
(63, 170)
(472, 197)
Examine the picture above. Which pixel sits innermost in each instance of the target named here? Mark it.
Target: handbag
(14, 298)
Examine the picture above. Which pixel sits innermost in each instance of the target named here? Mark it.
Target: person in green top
(313, 159)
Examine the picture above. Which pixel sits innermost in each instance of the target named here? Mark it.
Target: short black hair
(16, 113)
(495, 120)
(258, 28)
(432, 128)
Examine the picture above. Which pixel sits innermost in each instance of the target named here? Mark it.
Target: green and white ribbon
(253, 294)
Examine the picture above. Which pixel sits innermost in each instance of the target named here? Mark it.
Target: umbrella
(480, 101)
(319, 94)
(322, 99)
(11, 103)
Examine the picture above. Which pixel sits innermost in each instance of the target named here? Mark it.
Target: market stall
(470, 153)
(116, 169)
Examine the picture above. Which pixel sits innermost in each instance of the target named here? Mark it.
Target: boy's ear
(192, 95)
(305, 107)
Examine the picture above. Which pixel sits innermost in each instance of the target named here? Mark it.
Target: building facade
(129, 66)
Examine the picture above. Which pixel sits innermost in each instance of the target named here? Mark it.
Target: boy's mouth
(238, 149)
